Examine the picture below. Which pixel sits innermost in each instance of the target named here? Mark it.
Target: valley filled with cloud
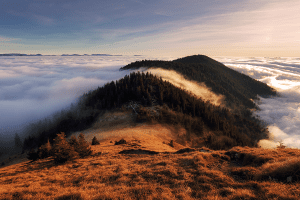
(281, 113)
(32, 88)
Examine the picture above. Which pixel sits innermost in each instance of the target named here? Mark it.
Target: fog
(199, 89)
(32, 88)
(281, 113)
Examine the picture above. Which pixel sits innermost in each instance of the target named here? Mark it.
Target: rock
(122, 141)
(138, 151)
(289, 179)
(185, 150)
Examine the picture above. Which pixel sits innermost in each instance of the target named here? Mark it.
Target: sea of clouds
(34, 87)
(281, 113)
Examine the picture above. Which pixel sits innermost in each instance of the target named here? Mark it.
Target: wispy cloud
(44, 20)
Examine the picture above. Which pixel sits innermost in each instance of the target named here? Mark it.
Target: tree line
(240, 90)
(172, 105)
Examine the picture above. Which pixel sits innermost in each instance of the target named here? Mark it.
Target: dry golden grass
(239, 173)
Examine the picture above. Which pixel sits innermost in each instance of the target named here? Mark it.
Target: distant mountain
(89, 55)
(19, 54)
(239, 89)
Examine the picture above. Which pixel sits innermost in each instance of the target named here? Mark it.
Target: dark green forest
(159, 102)
(237, 88)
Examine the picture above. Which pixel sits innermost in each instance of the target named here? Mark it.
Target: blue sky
(169, 28)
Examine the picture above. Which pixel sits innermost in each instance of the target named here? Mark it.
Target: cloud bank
(32, 88)
(281, 113)
(200, 90)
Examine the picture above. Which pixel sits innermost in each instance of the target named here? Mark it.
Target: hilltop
(154, 100)
(240, 90)
(159, 141)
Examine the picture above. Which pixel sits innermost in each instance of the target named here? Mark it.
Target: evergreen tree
(32, 155)
(73, 142)
(62, 150)
(45, 150)
(18, 142)
(95, 141)
(84, 148)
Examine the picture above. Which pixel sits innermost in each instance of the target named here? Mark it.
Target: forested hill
(160, 101)
(238, 88)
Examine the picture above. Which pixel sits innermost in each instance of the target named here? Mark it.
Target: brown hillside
(147, 167)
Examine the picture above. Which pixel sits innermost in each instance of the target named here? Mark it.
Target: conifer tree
(95, 141)
(45, 150)
(62, 150)
(73, 142)
(18, 142)
(83, 149)
(32, 155)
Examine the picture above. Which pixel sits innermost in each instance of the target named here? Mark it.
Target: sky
(170, 28)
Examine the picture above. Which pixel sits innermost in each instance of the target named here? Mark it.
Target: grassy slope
(194, 175)
(238, 173)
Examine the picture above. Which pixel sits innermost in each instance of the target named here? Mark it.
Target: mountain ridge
(240, 90)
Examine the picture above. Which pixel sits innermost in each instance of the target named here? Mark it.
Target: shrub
(83, 148)
(62, 150)
(73, 142)
(171, 144)
(95, 141)
(32, 155)
(122, 141)
(45, 150)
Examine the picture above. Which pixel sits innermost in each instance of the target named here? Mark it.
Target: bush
(32, 155)
(62, 150)
(83, 148)
(45, 150)
(122, 141)
(95, 141)
(171, 144)
(73, 142)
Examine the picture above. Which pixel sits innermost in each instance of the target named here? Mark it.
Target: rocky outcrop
(138, 151)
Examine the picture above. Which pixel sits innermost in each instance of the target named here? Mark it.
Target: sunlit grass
(194, 175)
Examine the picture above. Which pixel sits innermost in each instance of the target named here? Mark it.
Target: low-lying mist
(281, 113)
(32, 88)
(199, 89)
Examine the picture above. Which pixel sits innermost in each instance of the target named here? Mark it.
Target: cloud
(199, 89)
(32, 88)
(44, 20)
(281, 113)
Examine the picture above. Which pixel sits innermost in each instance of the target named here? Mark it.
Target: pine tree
(45, 150)
(62, 150)
(18, 142)
(84, 148)
(32, 155)
(73, 142)
(95, 141)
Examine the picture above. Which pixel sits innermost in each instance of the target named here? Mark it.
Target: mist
(199, 89)
(282, 114)
(33, 88)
